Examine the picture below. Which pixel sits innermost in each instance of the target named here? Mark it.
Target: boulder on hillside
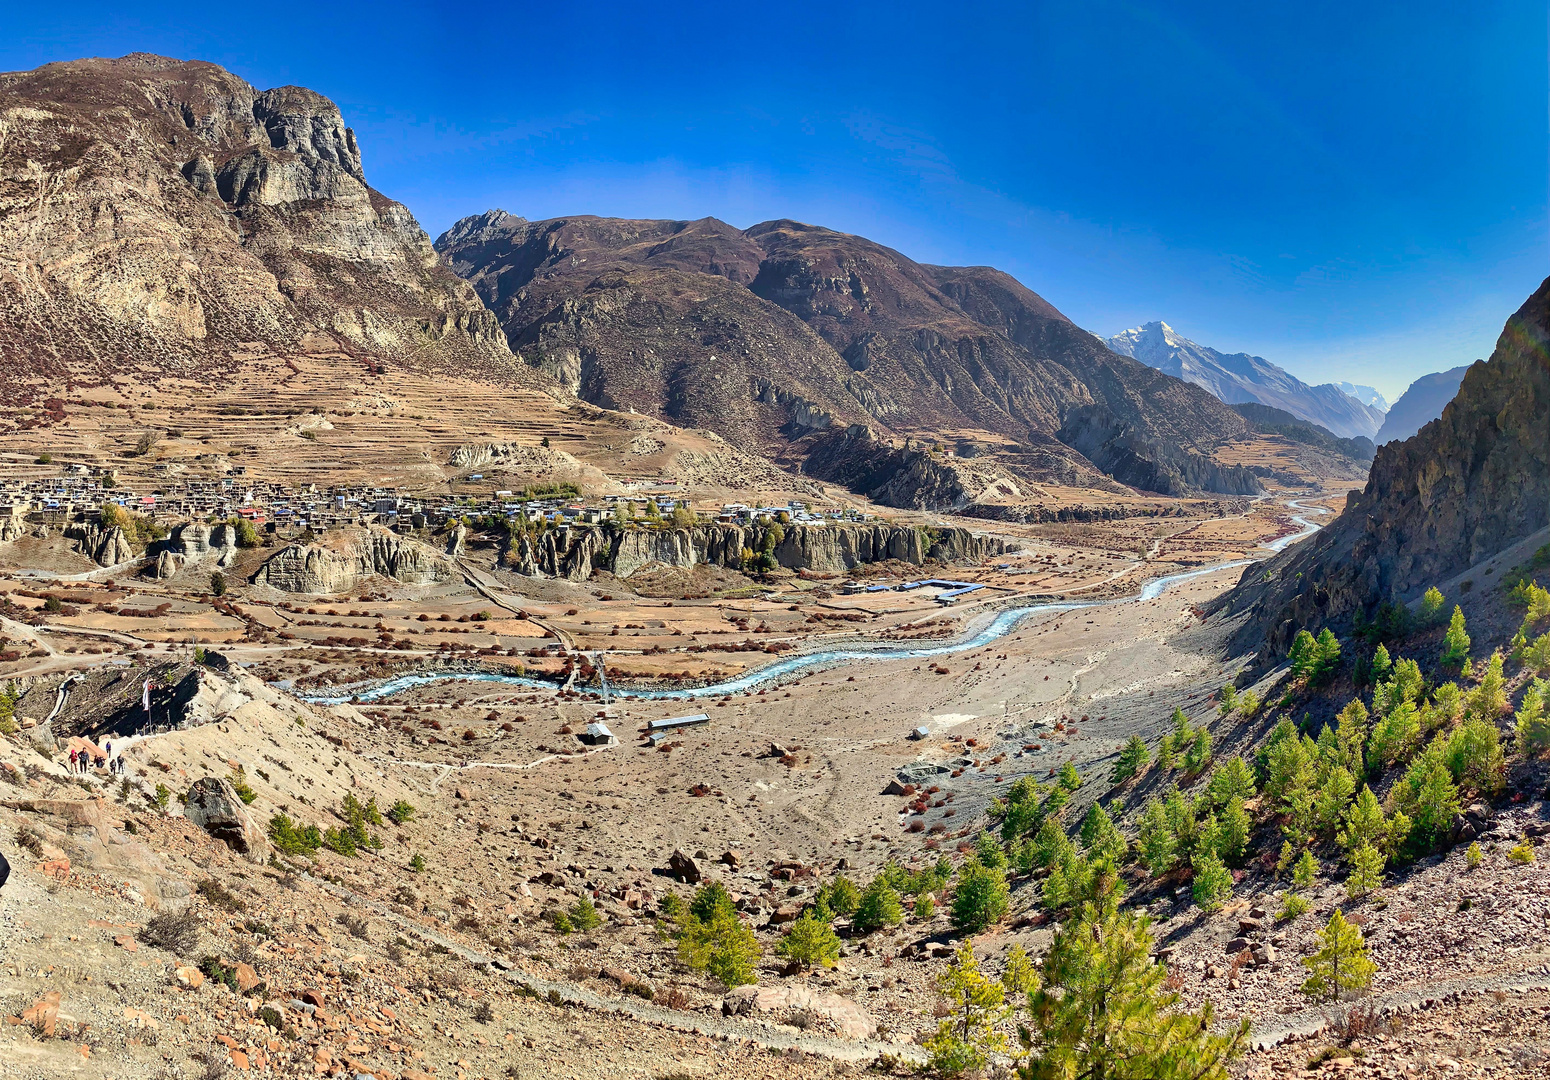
(213, 805)
(684, 868)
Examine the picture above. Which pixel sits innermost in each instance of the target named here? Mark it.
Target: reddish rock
(247, 978)
(312, 997)
(126, 942)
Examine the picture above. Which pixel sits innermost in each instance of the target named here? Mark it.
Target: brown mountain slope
(1468, 485)
(784, 335)
(164, 217)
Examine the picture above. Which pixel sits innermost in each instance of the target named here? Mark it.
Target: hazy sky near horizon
(1355, 192)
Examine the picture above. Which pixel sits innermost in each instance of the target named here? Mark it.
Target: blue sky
(1353, 191)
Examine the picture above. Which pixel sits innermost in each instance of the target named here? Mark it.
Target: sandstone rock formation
(213, 805)
(166, 217)
(786, 332)
(1466, 486)
(196, 541)
(105, 547)
(339, 561)
(575, 552)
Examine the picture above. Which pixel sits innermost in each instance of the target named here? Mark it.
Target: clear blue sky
(1352, 190)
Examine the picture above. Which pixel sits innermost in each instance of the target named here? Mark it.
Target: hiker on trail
(73, 760)
(5, 869)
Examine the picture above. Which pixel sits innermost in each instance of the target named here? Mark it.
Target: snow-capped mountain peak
(1240, 377)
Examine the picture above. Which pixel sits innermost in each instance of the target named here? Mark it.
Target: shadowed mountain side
(1421, 403)
(782, 332)
(1466, 486)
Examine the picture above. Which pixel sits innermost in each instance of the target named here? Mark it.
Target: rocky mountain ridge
(1239, 377)
(1468, 485)
(784, 334)
(166, 218)
(1420, 404)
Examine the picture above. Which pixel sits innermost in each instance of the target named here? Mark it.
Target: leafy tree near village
(1341, 964)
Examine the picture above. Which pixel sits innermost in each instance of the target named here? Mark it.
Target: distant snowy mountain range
(1239, 377)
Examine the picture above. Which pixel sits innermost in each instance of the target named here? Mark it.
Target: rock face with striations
(345, 557)
(785, 334)
(1468, 485)
(574, 553)
(172, 218)
(213, 805)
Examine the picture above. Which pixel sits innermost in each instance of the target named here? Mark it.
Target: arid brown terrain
(491, 663)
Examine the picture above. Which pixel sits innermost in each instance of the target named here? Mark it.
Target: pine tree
(1234, 835)
(1101, 1011)
(1326, 657)
(1455, 643)
(1351, 737)
(1341, 963)
(1431, 606)
(1198, 756)
(1329, 807)
(1051, 843)
(1364, 823)
(1213, 881)
(878, 906)
(1381, 664)
(843, 895)
(1533, 721)
(720, 945)
(1488, 700)
(1305, 869)
(1100, 837)
(1366, 871)
(1132, 760)
(1474, 756)
(810, 941)
(1436, 803)
(968, 1035)
(1070, 779)
(1303, 655)
(1229, 700)
(1184, 822)
(1156, 839)
(1395, 736)
(981, 899)
(1232, 779)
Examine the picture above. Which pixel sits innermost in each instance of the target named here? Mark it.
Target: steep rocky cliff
(342, 559)
(165, 218)
(783, 334)
(575, 553)
(1469, 484)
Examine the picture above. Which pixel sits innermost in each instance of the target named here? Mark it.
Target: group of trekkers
(83, 761)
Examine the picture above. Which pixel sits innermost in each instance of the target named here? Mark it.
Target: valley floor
(454, 971)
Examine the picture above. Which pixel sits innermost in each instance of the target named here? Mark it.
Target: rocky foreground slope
(785, 334)
(1468, 485)
(166, 219)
